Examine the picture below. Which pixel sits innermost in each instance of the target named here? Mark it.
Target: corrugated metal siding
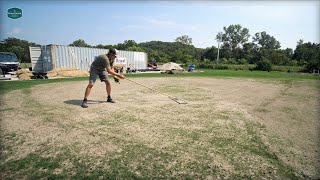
(36, 61)
(40, 59)
(59, 56)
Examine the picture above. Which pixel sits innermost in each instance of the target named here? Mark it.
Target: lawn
(236, 125)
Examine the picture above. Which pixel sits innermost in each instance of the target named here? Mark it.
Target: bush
(311, 66)
(221, 66)
(264, 65)
(205, 65)
(228, 61)
(242, 61)
(288, 68)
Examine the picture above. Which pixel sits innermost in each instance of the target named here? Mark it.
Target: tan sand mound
(25, 74)
(23, 71)
(171, 68)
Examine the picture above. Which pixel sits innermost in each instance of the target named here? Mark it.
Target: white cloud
(150, 23)
(159, 22)
(277, 11)
(133, 27)
(15, 31)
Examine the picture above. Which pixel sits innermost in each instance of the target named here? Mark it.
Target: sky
(112, 22)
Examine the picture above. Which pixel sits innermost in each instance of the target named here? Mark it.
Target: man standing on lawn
(101, 66)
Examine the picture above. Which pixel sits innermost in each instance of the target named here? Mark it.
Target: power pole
(218, 52)
(219, 39)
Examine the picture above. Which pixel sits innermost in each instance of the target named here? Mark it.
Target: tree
(184, 40)
(234, 36)
(135, 48)
(265, 41)
(288, 52)
(126, 44)
(129, 43)
(19, 47)
(278, 57)
(18, 50)
(210, 53)
(300, 42)
(177, 56)
(308, 54)
(250, 51)
(79, 43)
(100, 46)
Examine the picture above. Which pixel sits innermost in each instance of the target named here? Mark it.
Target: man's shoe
(110, 100)
(84, 104)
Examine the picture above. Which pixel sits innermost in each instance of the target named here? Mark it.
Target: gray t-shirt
(102, 62)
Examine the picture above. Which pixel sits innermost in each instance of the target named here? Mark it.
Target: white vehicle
(8, 62)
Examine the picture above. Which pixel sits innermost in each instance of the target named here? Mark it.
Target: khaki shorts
(103, 75)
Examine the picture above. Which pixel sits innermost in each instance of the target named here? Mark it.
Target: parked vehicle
(8, 62)
(191, 68)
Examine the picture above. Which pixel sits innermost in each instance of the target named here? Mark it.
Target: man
(153, 64)
(101, 66)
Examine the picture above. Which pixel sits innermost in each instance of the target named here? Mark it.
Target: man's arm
(110, 70)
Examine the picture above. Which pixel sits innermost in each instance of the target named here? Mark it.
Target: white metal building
(48, 57)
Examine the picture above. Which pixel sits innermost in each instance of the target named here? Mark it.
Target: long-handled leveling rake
(180, 101)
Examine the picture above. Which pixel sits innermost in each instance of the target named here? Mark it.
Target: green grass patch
(6, 86)
(25, 65)
(233, 73)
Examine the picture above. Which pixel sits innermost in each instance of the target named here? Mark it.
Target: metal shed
(48, 57)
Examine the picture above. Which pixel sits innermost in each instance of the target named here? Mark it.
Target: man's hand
(117, 80)
(121, 76)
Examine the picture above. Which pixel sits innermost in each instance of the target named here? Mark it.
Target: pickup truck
(8, 62)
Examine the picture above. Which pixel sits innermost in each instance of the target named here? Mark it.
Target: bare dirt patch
(230, 127)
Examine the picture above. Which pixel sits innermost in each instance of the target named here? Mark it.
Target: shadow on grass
(79, 102)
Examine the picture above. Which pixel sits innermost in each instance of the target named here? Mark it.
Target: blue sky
(113, 22)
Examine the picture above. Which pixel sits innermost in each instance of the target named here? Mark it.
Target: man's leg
(86, 95)
(108, 88)
(88, 90)
(92, 80)
(104, 78)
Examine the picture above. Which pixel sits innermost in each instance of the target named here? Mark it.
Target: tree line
(234, 47)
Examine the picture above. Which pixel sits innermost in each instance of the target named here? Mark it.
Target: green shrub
(242, 61)
(205, 65)
(312, 66)
(288, 68)
(264, 65)
(228, 61)
(221, 66)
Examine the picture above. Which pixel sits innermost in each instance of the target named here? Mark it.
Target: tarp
(170, 66)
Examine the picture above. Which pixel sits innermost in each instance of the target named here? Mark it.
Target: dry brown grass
(229, 128)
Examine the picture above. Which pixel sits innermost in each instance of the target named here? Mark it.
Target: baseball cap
(113, 51)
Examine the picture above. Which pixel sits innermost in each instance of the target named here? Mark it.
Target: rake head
(180, 101)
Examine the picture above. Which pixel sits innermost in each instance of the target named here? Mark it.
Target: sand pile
(25, 74)
(67, 72)
(171, 68)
